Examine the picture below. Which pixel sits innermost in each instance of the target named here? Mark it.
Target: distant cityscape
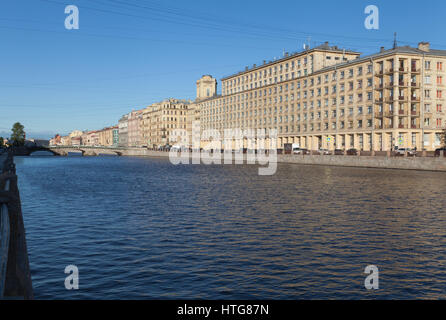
(320, 98)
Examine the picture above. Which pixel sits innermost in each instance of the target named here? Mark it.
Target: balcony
(401, 126)
(415, 70)
(415, 85)
(403, 84)
(414, 113)
(390, 70)
(389, 114)
(401, 112)
(413, 126)
(403, 70)
(415, 99)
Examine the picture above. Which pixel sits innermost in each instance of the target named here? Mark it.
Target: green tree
(2, 141)
(18, 134)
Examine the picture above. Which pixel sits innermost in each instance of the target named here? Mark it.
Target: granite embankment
(404, 163)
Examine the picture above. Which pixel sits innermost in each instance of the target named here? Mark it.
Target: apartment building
(193, 119)
(333, 98)
(134, 128)
(123, 133)
(115, 135)
(106, 136)
(90, 138)
(161, 121)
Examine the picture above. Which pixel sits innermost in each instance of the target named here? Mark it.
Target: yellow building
(75, 134)
(161, 121)
(106, 136)
(332, 98)
(65, 141)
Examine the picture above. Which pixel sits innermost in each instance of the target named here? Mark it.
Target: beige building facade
(206, 87)
(332, 98)
(106, 136)
(165, 123)
(135, 130)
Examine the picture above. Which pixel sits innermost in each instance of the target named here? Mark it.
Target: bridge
(65, 150)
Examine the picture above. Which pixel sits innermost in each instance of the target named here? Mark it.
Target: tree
(2, 141)
(18, 134)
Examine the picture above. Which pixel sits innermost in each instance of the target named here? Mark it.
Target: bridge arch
(33, 150)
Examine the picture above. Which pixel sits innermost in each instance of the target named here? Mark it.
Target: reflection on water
(142, 228)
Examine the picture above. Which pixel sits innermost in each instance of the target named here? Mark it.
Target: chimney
(246, 68)
(424, 46)
(382, 49)
(286, 54)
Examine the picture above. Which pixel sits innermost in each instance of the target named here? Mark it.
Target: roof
(208, 99)
(323, 47)
(393, 51)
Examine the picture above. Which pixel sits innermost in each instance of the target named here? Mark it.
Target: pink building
(90, 138)
(76, 141)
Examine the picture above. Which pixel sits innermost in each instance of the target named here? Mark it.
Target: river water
(140, 228)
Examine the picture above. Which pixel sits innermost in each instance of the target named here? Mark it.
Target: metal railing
(4, 242)
(15, 275)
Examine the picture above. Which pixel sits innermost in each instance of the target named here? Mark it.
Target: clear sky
(128, 54)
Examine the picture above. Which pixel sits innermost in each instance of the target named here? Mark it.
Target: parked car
(295, 146)
(402, 151)
(339, 152)
(352, 152)
(164, 148)
(301, 151)
(176, 149)
(324, 152)
(440, 152)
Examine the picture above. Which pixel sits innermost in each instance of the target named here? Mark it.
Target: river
(141, 228)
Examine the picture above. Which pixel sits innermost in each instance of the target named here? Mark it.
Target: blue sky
(128, 54)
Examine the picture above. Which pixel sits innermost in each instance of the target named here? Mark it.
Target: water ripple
(144, 229)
